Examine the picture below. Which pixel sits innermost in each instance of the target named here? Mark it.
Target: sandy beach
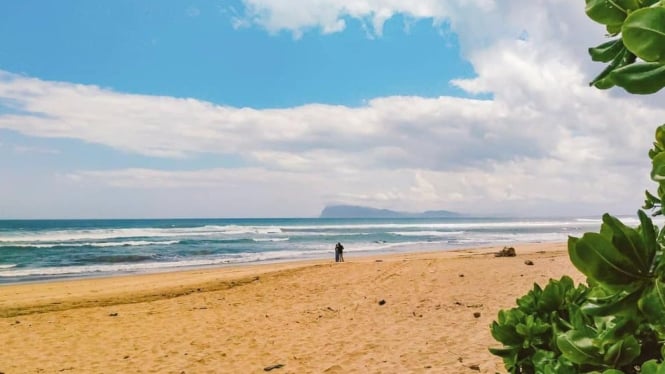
(404, 313)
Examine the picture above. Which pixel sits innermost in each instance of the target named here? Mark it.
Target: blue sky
(191, 49)
(232, 108)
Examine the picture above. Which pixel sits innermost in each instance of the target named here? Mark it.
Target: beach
(390, 313)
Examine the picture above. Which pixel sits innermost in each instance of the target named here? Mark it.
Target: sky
(277, 108)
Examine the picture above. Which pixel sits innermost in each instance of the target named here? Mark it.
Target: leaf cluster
(657, 157)
(611, 325)
(636, 56)
(528, 332)
(635, 60)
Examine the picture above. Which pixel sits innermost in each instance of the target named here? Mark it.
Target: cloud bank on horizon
(527, 136)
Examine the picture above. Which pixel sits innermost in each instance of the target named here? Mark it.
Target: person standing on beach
(339, 252)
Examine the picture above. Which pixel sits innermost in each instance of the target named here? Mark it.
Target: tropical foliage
(616, 322)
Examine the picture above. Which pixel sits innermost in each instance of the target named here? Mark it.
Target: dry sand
(311, 317)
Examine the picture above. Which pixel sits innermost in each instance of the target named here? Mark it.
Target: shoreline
(403, 250)
(175, 282)
(301, 314)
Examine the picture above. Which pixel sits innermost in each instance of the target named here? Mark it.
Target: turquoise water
(36, 250)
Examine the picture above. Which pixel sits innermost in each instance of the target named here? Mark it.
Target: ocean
(39, 250)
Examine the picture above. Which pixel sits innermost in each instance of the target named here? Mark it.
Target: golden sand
(406, 313)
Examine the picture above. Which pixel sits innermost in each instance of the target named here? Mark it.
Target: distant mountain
(353, 211)
(439, 214)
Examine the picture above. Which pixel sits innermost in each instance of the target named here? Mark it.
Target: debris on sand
(272, 367)
(506, 252)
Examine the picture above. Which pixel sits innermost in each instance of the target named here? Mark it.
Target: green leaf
(607, 51)
(658, 168)
(603, 81)
(657, 148)
(503, 352)
(652, 303)
(649, 234)
(613, 30)
(542, 357)
(552, 298)
(605, 12)
(660, 135)
(640, 78)
(577, 319)
(505, 334)
(622, 352)
(629, 242)
(510, 357)
(648, 3)
(628, 5)
(650, 200)
(531, 331)
(547, 362)
(597, 258)
(652, 367)
(578, 347)
(643, 33)
(605, 303)
(529, 302)
(610, 329)
(504, 330)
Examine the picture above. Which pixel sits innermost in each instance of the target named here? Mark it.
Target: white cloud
(328, 15)
(554, 141)
(506, 188)
(545, 143)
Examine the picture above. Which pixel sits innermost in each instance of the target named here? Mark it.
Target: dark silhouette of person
(339, 252)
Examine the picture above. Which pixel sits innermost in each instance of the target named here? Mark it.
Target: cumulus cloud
(329, 15)
(309, 136)
(552, 141)
(545, 143)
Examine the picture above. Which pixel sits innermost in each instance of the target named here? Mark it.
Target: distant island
(354, 211)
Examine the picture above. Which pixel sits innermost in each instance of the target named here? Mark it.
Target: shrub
(616, 322)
